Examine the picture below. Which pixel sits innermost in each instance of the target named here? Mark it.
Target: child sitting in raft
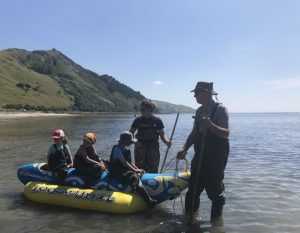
(123, 170)
(59, 156)
(87, 161)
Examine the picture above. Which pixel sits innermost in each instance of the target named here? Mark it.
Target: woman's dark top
(148, 128)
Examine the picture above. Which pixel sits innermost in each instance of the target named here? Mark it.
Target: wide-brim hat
(127, 137)
(206, 86)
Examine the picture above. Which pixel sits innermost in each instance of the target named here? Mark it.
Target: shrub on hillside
(29, 107)
(24, 86)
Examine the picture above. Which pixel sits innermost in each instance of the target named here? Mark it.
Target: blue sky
(249, 48)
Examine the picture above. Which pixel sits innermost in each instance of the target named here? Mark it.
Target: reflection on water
(262, 177)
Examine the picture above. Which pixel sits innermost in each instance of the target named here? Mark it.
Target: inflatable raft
(90, 199)
(107, 194)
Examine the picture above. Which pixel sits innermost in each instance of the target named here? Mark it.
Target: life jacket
(115, 165)
(79, 163)
(57, 160)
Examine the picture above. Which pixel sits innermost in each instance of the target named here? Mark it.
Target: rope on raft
(176, 174)
(171, 163)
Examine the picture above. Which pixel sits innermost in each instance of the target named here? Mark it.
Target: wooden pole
(199, 164)
(167, 151)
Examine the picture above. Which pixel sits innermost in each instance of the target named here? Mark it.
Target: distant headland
(47, 80)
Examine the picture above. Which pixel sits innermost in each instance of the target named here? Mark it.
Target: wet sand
(4, 114)
(12, 115)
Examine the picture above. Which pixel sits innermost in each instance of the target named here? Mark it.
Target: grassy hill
(41, 90)
(165, 107)
(49, 80)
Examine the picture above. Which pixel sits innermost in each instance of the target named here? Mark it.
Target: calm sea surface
(262, 176)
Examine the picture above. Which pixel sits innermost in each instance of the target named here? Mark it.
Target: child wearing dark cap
(87, 162)
(59, 156)
(123, 170)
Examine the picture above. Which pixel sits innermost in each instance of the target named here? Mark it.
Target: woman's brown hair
(148, 105)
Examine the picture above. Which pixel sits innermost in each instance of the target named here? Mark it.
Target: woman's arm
(134, 126)
(164, 137)
(132, 130)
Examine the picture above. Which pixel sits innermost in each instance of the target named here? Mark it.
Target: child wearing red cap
(59, 156)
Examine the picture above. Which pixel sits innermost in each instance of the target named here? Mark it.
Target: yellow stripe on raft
(105, 201)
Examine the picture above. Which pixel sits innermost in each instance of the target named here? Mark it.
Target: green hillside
(165, 107)
(48, 80)
(39, 89)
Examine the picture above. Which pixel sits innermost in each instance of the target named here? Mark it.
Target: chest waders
(211, 173)
(146, 151)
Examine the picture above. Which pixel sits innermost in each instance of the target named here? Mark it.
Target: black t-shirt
(148, 128)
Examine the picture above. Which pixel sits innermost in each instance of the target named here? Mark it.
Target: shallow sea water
(262, 177)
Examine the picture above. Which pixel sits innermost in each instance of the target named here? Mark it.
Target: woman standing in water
(149, 129)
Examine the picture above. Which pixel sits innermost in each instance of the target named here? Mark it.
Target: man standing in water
(211, 131)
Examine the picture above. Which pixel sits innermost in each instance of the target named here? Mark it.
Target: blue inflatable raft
(161, 187)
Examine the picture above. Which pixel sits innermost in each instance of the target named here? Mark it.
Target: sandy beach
(14, 114)
(5, 115)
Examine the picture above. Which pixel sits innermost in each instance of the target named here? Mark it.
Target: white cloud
(284, 84)
(158, 83)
